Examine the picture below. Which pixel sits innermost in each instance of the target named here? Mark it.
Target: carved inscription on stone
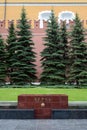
(41, 99)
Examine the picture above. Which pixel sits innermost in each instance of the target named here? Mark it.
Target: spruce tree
(25, 71)
(52, 55)
(3, 66)
(65, 47)
(11, 44)
(78, 71)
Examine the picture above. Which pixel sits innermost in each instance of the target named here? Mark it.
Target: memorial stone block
(43, 104)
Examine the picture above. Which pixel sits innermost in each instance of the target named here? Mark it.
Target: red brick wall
(38, 35)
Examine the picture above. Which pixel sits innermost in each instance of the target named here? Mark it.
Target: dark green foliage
(3, 66)
(21, 55)
(11, 43)
(52, 63)
(78, 72)
(24, 65)
(65, 50)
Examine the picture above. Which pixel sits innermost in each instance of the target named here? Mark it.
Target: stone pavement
(63, 124)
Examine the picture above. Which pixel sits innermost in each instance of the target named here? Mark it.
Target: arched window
(66, 15)
(44, 15)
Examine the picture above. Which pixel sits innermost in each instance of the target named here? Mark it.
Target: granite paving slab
(64, 124)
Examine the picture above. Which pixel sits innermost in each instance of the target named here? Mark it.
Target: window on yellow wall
(66, 16)
(44, 15)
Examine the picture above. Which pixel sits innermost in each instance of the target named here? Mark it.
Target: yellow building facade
(10, 10)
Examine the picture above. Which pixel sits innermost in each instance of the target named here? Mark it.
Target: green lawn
(11, 94)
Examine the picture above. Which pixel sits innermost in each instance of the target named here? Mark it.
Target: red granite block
(43, 104)
(64, 105)
(55, 98)
(37, 105)
(64, 98)
(42, 113)
(30, 105)
(55, 105)
(22, 105)
(43, 116)
(22, 98)
(30, 97)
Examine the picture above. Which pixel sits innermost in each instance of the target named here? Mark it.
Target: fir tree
(78, 71)
(3, 66)
(65, 47)
(52, 55)
(25, 56)
(11, 44)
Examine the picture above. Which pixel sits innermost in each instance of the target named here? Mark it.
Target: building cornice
(44, 3)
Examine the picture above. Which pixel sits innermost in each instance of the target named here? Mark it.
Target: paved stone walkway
(70, 124)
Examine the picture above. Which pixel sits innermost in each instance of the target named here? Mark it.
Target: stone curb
(77, 103)
(70, 103)
(8, 103)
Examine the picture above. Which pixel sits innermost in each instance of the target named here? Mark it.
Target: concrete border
(77, 103)
(70, 103)
(8, 103)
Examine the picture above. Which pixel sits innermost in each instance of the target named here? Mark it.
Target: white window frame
(60, 17)
(41, 18)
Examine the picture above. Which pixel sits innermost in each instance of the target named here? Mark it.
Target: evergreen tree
(65, 47)
(78, 71)
(52, 55)
(3, 66)
(11, 44)
(25, 56)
